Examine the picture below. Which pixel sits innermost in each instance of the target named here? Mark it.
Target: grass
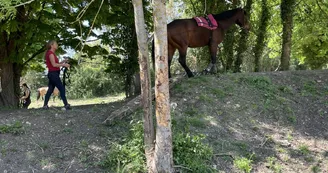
(15, 128)
(197, 122)
(309, 88)
(304, 149)
(77, 102)
(316, 169)
(273, 165)
(243, 164)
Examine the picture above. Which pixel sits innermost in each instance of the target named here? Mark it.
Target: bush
(87, 82)
(188, 150)
(129, 156)
(191, 152)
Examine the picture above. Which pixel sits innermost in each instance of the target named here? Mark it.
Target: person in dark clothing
(26, 99)
(53, 66)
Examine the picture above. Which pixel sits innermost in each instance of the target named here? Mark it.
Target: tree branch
(34, 55)
(18, 5)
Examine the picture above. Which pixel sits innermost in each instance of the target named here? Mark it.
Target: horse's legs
(171, 51)
(182, 61)
(212, 66)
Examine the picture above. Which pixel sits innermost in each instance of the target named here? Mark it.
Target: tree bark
(260, 41)
(9, 96)
(163, 149)
(229, 43)
(242, 47)
(149, 131)
(287, 9)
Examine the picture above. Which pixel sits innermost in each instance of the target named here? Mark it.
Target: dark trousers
(26, 103)
(54, 81)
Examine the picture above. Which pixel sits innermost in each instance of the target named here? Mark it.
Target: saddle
(207, 22)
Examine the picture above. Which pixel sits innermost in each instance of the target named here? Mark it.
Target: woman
(53, 66)
(26, 99)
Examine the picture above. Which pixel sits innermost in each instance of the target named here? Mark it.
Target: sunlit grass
(77, 102)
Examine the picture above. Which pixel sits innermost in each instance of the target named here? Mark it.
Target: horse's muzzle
(247, 27)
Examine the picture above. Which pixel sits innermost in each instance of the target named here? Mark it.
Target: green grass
(77, 102)
(292, 118)
(259, 82)
(15, 128)
(316, 169)
(304, 149)
(197, 122)
(273, 165)
(206, 98)
(243, 164)
(309, 88)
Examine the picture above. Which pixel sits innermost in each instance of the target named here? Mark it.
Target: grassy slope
(278, 119)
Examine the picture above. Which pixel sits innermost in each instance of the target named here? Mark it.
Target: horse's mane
(226, 14)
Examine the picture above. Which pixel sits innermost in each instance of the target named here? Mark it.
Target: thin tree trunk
(163, 147)
(242, 47)
(260, 41)
(149, 133)
(287, 9)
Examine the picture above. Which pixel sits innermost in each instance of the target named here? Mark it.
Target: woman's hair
(25, 85)
(49, 43)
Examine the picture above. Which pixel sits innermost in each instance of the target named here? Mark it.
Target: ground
(270, 122)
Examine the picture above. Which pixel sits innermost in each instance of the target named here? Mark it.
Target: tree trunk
(242, 47)
(144, 78)
(136, 83)
(229, 42)
(9, 95)
(287, 9)
(163, 147)
(228, 47)
(260, 41)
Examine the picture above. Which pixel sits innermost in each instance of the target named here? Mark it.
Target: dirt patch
(58, 141)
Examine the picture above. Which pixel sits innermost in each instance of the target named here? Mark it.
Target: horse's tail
(153, 53)
(39, 94)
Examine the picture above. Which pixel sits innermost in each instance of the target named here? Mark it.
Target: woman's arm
(53, 62)
(27, 93)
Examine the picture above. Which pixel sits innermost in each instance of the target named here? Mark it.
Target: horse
(43, 91)
(184, 33)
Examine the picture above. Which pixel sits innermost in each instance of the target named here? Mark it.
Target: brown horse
(43, 91)
(184, 33)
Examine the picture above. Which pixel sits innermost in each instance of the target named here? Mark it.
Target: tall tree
(261, 34)
(149, 133)
(242, 45)
(287, 9)
(163, 147)
(21, 42)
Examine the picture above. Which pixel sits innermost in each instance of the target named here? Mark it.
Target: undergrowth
(15, 128)
(128, 156)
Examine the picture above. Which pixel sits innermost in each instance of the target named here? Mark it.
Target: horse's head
(242, 19)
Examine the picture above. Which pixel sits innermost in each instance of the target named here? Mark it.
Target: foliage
(261, 34)
(188, 150)
(311, 37)
(243, 164)
(273, 165)
(35, 80)
(91, 81)
(129, 156)
(191, 152)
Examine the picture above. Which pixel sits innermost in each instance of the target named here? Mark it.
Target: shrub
(87, 82)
